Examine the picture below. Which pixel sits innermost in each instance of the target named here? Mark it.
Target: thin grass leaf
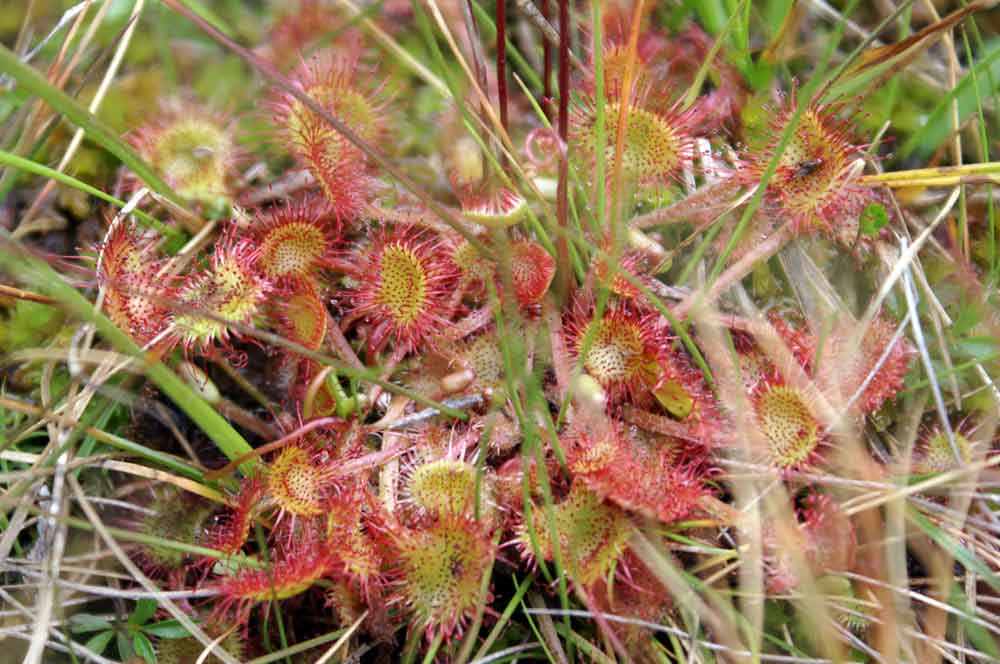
(955, 549)
(96, 130)
(16, 261)
(979, 636)
(937, 128)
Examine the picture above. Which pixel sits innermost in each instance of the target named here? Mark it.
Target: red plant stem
(564, 70)
(236, 413)
(334, 422)
(546, 63)
(702, 205)
(502, 60)
(606, 631)
(339, 344)
(560, 357)
(562, 193)
(345, 266)
(373, 459)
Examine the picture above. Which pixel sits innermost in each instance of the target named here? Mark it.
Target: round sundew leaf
(935, 454)
(409, 282)
(340, 85)
(593, 531)
(231, 289)
(656, 143)
(184, 153)
(170, 515)
(472, 266)
(812, 187)
(787, 423)
(441, 567)
(652, 147)
(616, 354)
(494, 207)
(292, 250)
(194, 150)
(634, 472)
(532, 269)
(132, 294)
(305, 319)
(484, 356)
(296, 239)
(294, 569)
(296, 483)
(620, 350)
(403, 285)
(446, 487)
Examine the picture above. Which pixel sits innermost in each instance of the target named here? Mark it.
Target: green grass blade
(17, 262)
(96, 130)
(967, 558)
(520, 590)
(806, 94)
(938, 126)
(28, 166)
(979, 636)
(699, 80)
(599, 115)
(490, 34)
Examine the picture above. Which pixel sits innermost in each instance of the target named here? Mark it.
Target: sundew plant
(465, 331)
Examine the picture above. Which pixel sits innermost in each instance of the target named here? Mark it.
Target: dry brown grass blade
(395, 49)
(625, 93)
(328, 655)
(126, 562)
(18, 294)
(782, 45)
(548, 32)
(134, 469)
(915, 44)
(769, 502)
(93, 107)
(491, 122)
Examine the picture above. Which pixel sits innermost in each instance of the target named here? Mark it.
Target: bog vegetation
(480, 332)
